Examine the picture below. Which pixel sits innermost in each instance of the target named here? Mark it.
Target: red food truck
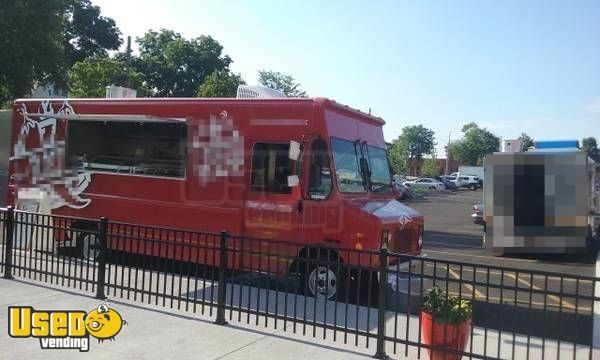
(305, 170)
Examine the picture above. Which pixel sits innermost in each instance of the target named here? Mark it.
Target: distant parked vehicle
(477, 214)
(471, 170)
(453, 179)
(401, 192)
(448, 183)
(470, 181)
(425, 183)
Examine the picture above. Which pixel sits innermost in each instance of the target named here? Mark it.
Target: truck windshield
(347, 166)
(381, 181)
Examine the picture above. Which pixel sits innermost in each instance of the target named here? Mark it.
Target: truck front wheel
(322, 282)
(321, 278)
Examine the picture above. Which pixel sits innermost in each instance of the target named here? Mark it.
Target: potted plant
(445, 324)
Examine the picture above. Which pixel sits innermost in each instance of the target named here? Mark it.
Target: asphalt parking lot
(451, 235)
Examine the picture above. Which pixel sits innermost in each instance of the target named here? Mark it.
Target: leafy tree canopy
(43, 38)
(430, 167)
(282, 82)
(418, 140)
(475, 144)
(398, 156)
(220, 84)
(89, 78)
(87, 33)
(175, 66)
(590, 146)
(32, 41)
(526, 140)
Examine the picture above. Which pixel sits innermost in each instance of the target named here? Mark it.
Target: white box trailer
(541, 202)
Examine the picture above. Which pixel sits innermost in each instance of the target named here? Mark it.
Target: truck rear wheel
(88, 245)
(87, 240)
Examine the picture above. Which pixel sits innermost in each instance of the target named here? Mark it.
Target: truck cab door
(271, 208)
(321, 211)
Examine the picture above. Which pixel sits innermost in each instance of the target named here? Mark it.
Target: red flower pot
(450, 336)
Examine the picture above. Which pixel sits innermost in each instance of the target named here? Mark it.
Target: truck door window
(152, 149)
(347, 168)
(319, 183)
(271, 167)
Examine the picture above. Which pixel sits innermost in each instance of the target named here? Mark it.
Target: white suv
(469, 181)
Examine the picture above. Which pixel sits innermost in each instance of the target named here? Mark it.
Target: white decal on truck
(42, 167)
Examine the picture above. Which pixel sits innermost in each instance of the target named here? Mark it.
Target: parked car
(401, 192)
(425, 183)
(477, 214)
(448, 184)
(453, 179)
(470, 181)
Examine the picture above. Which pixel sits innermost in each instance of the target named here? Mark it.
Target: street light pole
(448, 153)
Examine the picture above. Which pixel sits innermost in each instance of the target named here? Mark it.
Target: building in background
(513, 146)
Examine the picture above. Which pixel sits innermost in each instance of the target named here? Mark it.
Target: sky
(509, 66)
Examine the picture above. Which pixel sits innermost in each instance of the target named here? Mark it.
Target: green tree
(430, 167)
(282, 82)
(174, 66)
(590, 146)
(220, 84)
(43, 38)
(89, 78)
(526, 140)
(87, 33)
(417, 140)
(31, 34)
(398, 156)
(475, 144)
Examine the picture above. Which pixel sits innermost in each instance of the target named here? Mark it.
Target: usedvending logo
(65, 329)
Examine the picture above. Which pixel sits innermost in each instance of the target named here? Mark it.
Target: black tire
(88, 243)
(473, 187)
(321, 278)
(432, 188)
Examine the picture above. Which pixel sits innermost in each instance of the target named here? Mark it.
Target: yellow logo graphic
(104, 323)
(61, 329)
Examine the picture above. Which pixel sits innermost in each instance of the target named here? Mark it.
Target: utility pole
(128, 61)
(448, 153)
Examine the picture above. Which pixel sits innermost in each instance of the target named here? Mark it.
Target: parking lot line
(527, 284)
(475, 256)
(469, 286)
(496, 272)
(533, 303)
(479, 295)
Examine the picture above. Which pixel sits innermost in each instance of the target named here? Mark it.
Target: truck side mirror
(293, 180)
(294, 152)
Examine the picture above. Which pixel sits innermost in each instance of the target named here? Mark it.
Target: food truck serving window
(138, 148)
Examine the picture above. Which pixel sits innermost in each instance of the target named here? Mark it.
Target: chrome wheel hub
(322, 282)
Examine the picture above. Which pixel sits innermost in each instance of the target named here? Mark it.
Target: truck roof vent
(254, 92)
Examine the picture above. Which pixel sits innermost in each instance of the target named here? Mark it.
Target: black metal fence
(365, 298)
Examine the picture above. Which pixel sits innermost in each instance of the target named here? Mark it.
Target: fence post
(222, 286)
(383, 263)
(8, 242)
(102, 253)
